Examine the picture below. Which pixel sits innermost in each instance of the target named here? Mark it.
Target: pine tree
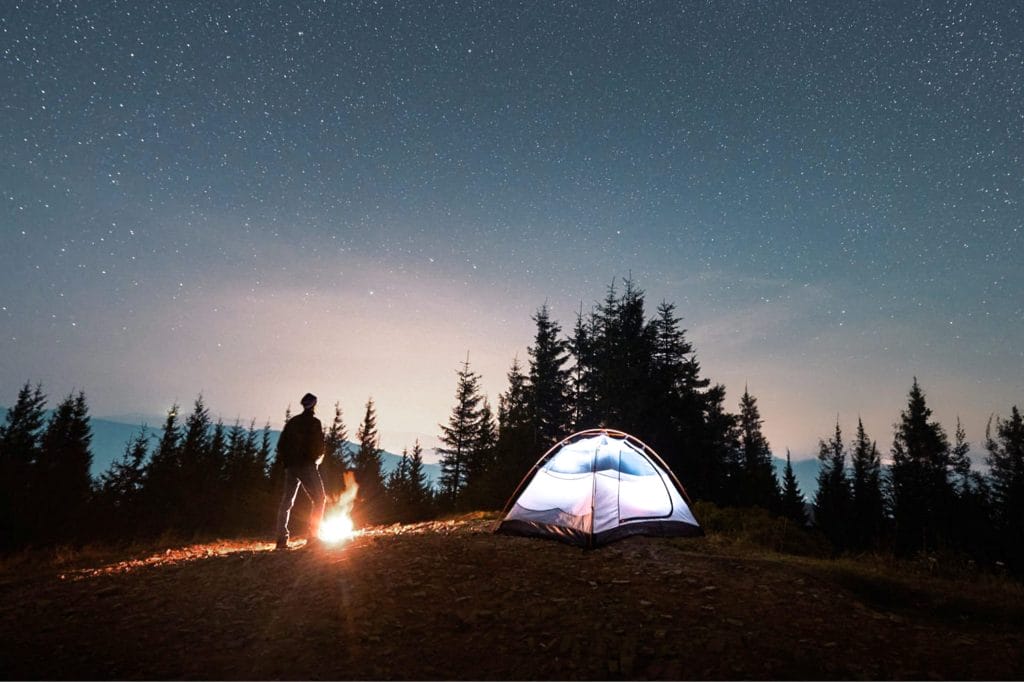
(623, 348)
(199, 472)
(515, 450)
(832, 500)
(671, 349)
(408, 487)
(549, 380)
(419, 487)
(711, 442)
(792, 499)
(19, 451)
(973, 529)
(607, 351)
(397, 487)
(921, 489)
(960, 461)
(675, 388)
(758, 487)
(19, 437)
(239, 465)
(62, 471)
(582, 374)
(370, 505)
(275, 467)
(459, 436)
(249, 486)
(120, 487)
(195, 444)
(163, 478)
(216, 486)
(1006, 476)
(264, 454)
(868, 505)
(481, 460)
(122, 481)
(643, 377)
(332, 471)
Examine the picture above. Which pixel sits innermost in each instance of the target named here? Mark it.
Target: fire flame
(337, 522)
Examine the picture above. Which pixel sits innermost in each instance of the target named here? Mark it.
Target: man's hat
(308, 400)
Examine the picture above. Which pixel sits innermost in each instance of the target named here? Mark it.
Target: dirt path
(450, 600)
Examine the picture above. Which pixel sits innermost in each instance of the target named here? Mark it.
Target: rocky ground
(450, 600)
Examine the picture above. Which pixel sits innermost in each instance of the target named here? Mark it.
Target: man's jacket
(301, 441)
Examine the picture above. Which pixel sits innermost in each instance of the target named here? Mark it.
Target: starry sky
(257, 199)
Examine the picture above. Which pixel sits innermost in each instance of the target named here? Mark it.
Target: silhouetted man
(301, 448)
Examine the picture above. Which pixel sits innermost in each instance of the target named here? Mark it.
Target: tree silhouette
(516, 448)
(792, 506)
(832, 500)
(61, 471)
(549, 380)
(200, 471)
(868, 504)
(370, 504)
(972, 524)
(713, 463)
(481, 459)
(397, 487)
(965, 481)
(1006, 461)
(583, 379)
(163, 480)
(19, 450)
(459, 436)
(245, 486)
(643, 377)
(758, 486)
(120, 487)
(419, 490)
(674, 387)
(408, 487)
(332, 471)
(622, 349)
(921, 489)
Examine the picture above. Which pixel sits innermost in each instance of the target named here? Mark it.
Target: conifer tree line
(614, 367)
(195, 477)
(929, 499)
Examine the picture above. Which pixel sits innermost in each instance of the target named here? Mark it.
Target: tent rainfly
(598, 486)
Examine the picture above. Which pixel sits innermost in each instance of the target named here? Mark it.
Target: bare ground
(450, 600)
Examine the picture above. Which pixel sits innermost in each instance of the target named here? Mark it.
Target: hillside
(449, 599)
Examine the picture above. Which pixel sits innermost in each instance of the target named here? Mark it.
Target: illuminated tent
(598, 486)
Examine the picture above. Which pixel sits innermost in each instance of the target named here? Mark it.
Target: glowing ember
(337, 523)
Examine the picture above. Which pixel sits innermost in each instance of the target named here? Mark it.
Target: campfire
(337, 522)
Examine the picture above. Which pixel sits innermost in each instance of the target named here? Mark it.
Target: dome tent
(598, 486)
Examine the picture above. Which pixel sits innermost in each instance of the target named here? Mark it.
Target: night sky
(253, 200)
